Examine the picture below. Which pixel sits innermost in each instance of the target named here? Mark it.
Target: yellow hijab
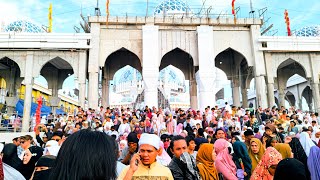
(205, 163)
(255, 158)
(284, 150)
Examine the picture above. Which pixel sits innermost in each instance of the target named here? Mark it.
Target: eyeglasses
(210, 132)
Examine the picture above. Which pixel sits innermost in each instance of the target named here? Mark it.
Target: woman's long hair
(86, 155)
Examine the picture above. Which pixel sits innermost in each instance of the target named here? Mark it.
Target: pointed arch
(119, 59)
(179, 59)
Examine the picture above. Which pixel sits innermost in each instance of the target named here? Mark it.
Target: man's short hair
(201, 131)
(219, 129)
(248, 132)
(176, 138)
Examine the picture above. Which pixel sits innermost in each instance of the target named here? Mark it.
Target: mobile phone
(137, 162)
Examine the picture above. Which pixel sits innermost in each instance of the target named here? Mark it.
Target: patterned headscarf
(270, 157)
(191, 165)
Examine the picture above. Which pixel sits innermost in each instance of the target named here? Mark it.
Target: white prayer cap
(150, 139)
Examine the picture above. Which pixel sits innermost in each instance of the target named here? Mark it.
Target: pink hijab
(164, 158)
(224, 162)
(270, 157)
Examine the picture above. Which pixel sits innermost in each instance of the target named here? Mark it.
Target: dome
(308, 31)
(127, 75)
(23, 26)
(172, 7)
(169, 74)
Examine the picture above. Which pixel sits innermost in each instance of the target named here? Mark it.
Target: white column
(193, 94)
(82, 77)
(271, 94)
(105, 93)
(261, 91)
(93, 90)
(28, 80)
(235, 92)
(281, 95)
(244, 93)
(82, 93)
(150, 71)
(260, 70)
(206, 75)
(316, 96)
(93, 66)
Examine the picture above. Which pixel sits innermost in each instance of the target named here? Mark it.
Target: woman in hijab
(205, 162)
(299, 153)
(314, 163)
(224, 162)
(30, 159)
(10, 156)
(290, 168)
(284, 150)
(242, 160)
(256, 151)
(266, 168)
(43, 168)
(163, 157)
(306, 142)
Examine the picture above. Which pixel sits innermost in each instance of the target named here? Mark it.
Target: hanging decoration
(234, 12)
(107, 11)
(232, 4)
(287, 20)
(38, 112)
(50, 18)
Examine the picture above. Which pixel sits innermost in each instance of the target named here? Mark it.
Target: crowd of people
(229, 143)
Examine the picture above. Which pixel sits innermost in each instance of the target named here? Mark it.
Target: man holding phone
(143, 164)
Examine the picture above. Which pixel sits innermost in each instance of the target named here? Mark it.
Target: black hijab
(290, 168)
(10, 156)
(299, 153)
(27, 169)
(44, 161)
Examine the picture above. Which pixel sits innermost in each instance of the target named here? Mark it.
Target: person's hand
(287, 140)
(264, 139)
(133, 148)
(135, 161)
(245, 174)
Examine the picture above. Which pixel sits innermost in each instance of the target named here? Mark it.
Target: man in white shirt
(108, 124)
(124, 127)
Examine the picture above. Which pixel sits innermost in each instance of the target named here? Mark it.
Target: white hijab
(306, 142)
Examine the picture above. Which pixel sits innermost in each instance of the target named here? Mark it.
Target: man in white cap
(143, 164)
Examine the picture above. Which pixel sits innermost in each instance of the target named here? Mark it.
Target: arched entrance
(285, 71)
(56, 71)
(177, 79)
(236, 67)
(11, 82)
(124, 68)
